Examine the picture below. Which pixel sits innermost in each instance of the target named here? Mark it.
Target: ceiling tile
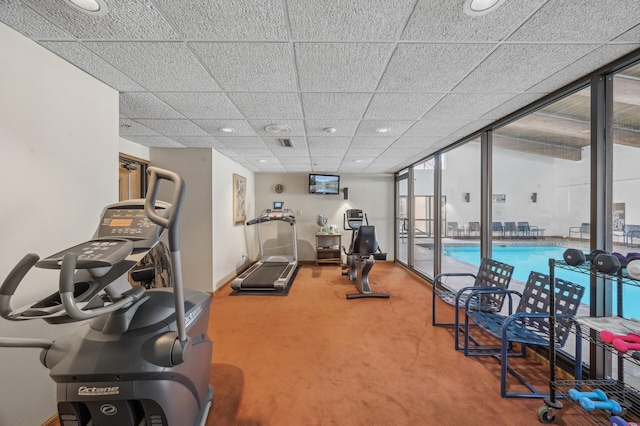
(432, 67)
(250, 67)
(396, 127)
(86, 60)
(528, 64)
(415, 142)
(239, 143)
(173, 127)
(594, 60)
(347, 20)
(126, 20)
(468, 105)
(335, 105)
(398, 106)
(340, 143)
(199, 141)
(632, 36)
(294, 160)
(241, 127)
(330, 154)
(275, 144)
(227, 19)
(513, 104)
(201, 105)
(133, 128)
(340, 67)
(473, 126)
(435, 126)
(561, 21)
(255, 153)
(297, 128)
(28, 22)
(371, 142)
(342, 127)
(145, 105)
(444, 20)
(268, 105)
(155, 141)
(157, 66)
(284, 154)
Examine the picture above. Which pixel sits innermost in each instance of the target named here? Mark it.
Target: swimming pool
(536, 258)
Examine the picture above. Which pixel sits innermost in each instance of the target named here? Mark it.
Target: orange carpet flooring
(315, 358)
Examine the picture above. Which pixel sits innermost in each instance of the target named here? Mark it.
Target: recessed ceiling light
(383, 130)
(91, 7)
(329, 129)
(480, 7)
(278, 128)
(227, 129)
(357, 161)
(262, 161)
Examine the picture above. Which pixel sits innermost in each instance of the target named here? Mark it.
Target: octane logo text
(93, 390)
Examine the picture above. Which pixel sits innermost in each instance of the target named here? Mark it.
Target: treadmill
(272, 274)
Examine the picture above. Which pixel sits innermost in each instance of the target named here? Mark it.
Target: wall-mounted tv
(324, 184)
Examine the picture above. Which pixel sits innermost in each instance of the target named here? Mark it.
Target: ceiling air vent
(286, 142)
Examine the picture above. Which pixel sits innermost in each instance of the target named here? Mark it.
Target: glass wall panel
(461, 206)
(626, 203)
(626, 175)
(401, 220)
(541, 191)
(423, 213)
(541, 185)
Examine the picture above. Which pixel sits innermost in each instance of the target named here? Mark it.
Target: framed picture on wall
(239, 198)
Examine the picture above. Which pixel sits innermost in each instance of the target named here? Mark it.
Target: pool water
(525, 259)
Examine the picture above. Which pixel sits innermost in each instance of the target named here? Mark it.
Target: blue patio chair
(510, 229)
(452, 229)
(529, 326)
(631, 232)
(583, 229)
(474, 227)
(491, 274)
(527, 231)
(497, 227)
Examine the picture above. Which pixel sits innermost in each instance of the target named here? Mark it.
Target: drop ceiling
(422, 69)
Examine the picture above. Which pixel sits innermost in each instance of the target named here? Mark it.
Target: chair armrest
(475, 291)
(437, 279)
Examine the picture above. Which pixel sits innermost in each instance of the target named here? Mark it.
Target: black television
(324, 184)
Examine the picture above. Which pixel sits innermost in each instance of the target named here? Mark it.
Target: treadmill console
(278, 206)
(355, 218)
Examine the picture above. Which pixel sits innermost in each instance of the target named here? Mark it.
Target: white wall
(212, 246)
(194, 166)
(371, 193)
(232, 243)
(134, 149)
(59, 140)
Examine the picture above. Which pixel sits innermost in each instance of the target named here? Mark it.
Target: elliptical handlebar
(171, 224)
(67, 282)
(11, 283)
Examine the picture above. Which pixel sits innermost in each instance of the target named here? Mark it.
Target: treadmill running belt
(265, 275)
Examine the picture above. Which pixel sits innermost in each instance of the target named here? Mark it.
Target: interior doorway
(132, 177)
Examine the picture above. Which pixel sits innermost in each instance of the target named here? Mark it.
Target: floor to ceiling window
(626, 174)
(423, 213)
(461, 190)
(402, 217)
(541, 185)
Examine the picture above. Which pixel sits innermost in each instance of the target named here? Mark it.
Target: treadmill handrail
(268, 216)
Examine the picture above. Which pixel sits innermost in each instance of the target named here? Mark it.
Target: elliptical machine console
(145, 356)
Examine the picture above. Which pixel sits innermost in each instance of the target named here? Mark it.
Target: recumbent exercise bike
(144, 359)
(362, 254)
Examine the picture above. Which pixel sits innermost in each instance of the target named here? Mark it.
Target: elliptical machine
(145, 357)
(363, 251)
